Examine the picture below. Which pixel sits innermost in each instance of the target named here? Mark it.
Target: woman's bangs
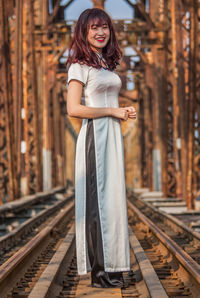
(98, 21)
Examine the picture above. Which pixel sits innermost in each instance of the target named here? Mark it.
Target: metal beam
(98, 3)
(7, 153)
(192, 103)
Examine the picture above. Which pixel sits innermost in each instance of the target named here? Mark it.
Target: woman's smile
(101, 40)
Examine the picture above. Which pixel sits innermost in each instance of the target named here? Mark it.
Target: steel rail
(47, 285)
(150, 277)
(183, 258)
(16, 266)
(27, 226)
(175, 224)
(27, 201)
(170, 219)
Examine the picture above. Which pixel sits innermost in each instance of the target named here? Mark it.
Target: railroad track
(46, 265)
(181, 234)
(19, 272)
(27, 217)
(14, 214)
(166, 238)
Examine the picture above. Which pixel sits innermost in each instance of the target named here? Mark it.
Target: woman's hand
(124, 113)
(120, 113)
(131, 112)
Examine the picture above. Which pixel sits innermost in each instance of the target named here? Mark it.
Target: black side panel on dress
(100, 278)
(93, 229)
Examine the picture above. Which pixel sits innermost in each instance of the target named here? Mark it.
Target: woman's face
(98, 36)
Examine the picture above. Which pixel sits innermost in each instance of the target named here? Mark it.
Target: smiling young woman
(102, 242)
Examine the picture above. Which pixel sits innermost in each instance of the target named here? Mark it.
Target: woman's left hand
(131, 112)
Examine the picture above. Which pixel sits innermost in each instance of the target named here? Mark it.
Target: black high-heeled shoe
(104, 279)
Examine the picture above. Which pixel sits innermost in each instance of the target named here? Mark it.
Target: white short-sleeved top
(101, 86)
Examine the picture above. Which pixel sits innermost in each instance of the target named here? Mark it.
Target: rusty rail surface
(24, 229)
(27, 201)
(12, 270)
(184, 236)
(186, 268)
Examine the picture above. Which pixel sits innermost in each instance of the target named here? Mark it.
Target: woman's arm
(76, 109)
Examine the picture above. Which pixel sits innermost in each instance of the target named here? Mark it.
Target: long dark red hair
(80, 50)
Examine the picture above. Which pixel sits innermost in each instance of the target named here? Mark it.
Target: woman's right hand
(120, 113)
